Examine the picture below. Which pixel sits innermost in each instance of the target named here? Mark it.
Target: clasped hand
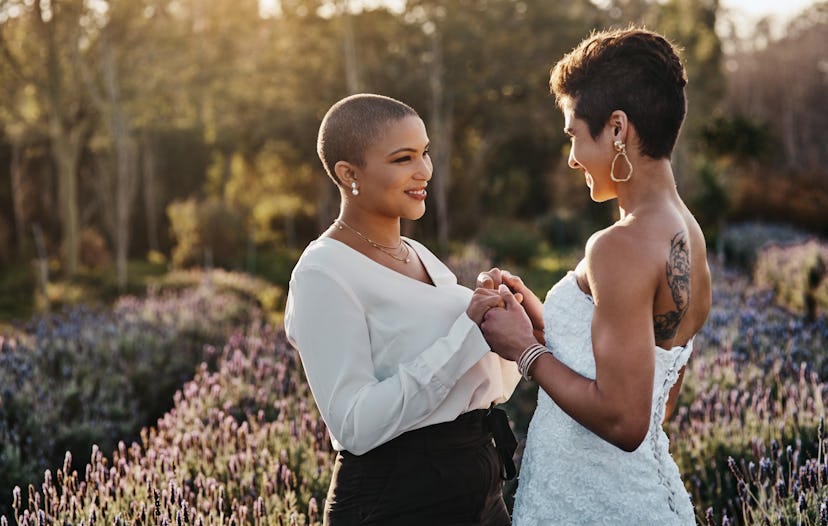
(509, 314)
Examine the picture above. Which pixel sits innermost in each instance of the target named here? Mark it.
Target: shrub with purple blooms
(242, 445)
(97, 376)
(755, 391)
(246, 445)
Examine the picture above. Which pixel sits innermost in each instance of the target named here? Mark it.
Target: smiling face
(592, 156)
(395, 171)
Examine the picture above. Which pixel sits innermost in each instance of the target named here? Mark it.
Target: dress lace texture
(572, 477)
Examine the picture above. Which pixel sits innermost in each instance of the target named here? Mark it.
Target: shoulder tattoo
(678, 279)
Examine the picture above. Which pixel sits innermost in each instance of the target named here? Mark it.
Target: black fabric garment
(446, 474)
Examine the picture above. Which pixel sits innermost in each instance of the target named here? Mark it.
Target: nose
(427, 169)
(573, 163)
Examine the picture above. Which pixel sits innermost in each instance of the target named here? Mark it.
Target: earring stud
(354, 189)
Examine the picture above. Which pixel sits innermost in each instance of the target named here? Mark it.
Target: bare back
(663, 249)
(682, 300)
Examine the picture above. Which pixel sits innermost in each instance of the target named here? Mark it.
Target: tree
(56, 88)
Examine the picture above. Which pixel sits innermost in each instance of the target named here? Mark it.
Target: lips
(417, 194)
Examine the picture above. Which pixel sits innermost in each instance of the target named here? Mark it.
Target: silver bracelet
(528, 357)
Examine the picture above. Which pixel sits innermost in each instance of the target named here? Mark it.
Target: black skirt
(446, 474)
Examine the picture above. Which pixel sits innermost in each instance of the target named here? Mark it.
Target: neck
(381, 229)
(652, 182)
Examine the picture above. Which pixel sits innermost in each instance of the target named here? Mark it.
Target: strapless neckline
(572, 280)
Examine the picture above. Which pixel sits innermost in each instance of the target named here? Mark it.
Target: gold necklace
(382, 248)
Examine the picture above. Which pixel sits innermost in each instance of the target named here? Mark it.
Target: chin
(413, 215)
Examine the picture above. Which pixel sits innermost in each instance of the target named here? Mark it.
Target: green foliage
(208, 232)
(511, 242)
(711, 202)
(16, 292)
(739, 137)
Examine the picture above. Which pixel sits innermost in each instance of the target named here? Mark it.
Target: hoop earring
(354, 189)
(621, 150)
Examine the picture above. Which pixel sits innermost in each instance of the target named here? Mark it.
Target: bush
(86, 376)
(242, 445)
(246, 445)
(267, 296)
(757, 378)
(511, 242)
(796, 274)
(211, 231)
(742, 242)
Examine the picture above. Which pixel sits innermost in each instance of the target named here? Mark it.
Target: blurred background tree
(116, 113)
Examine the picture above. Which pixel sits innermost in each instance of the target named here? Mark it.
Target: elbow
(355, 443)
(628, 435)
(629, 443)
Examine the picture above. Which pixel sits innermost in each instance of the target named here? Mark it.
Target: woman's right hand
(531, 304)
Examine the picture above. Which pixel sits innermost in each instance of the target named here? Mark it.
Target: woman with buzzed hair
(608, 347)
(390, 342)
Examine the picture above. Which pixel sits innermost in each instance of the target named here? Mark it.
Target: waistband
(472, 429)
(467, 430)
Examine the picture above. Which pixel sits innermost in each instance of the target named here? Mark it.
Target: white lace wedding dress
(571, 477)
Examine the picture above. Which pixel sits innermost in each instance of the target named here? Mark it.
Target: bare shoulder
(620, 258)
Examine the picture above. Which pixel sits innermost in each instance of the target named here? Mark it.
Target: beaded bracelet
(528, 357)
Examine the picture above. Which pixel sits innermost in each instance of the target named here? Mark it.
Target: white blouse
(385, 353)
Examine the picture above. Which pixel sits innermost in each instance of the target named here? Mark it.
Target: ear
(345, 172)
(619, 124)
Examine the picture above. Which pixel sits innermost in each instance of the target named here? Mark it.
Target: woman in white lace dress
(609, 345)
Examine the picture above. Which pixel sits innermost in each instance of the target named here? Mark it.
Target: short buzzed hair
(352, 125)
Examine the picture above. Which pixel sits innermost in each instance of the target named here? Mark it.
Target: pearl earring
(354, 189)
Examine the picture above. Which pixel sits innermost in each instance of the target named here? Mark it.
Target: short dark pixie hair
(353, 124)
(633, 70)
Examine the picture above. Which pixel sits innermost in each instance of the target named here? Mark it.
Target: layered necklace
(401, 248)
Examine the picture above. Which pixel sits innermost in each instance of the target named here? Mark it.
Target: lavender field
(244, 443)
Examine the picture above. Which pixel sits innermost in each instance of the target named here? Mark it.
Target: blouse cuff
(457, 352)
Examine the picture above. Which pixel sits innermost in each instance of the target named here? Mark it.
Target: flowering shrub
(754, 388)
(81, 377)
(269, 297)
(246, 445)
(242, 445)
(796, 274)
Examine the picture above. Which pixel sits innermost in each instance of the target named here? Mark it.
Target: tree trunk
(17, 197)
(441, 130)
(149, 174)
(67, 136)
(125, 173)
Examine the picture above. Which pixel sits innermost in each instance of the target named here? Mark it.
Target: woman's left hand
(508, 330)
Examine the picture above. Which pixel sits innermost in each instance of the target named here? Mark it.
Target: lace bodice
(569, 475)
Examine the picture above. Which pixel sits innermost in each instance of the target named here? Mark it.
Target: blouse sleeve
(326, 323)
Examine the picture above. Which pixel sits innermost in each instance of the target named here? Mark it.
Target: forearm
(364, 412)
